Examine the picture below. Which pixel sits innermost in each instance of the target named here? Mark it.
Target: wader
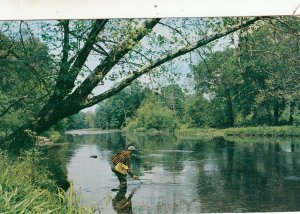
(121, 177)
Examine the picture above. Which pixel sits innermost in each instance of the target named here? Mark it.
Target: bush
(153, 116)
(132, 125)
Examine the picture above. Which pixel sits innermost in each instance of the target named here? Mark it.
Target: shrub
(153, 116)
(132, 125)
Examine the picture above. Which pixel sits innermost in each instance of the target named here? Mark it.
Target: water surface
(187, 175)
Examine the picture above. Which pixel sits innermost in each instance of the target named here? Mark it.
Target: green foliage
(133, 125)
(152, 115)
(269, 70)
(117, 111)
(25, 187)
(174, 98)
(218, 76)
(77, 121)
(25, 78)
(255, 83)
(296, 121)
(197, 112)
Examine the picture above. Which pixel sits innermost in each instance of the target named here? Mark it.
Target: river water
(185, 175)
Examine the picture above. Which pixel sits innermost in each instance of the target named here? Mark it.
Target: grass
(199, 132)
(268, 131)
(261, 131)
(25, 187)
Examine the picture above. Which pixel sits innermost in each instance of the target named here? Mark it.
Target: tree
(270, 64)
(219, 76)
(25, 69)
(197, 111)
(117, 44)
(254, 83)
(77, 121)
(174, 98)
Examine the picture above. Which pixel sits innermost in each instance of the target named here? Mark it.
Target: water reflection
(195, 175)
(122, 203)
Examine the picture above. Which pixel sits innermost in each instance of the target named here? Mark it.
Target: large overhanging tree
(128, 48)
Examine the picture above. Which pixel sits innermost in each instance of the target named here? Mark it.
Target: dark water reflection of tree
(250, 179)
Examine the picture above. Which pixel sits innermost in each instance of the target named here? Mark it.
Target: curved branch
(142, 55)
(109, 62)
(180, 33)
(147, 68)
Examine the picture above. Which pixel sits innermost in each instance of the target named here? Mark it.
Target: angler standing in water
(122, 165)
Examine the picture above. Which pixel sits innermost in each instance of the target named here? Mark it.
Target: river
(185, 175)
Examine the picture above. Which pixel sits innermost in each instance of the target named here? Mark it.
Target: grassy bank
(25, 187)
(199, 132)
(262, 131)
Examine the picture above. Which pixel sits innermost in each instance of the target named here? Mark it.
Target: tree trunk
(292, 110)
(229, 107)
(276, 113)
(23, 137)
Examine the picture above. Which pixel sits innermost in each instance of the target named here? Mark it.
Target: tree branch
(147, 68)
(100, 50)
(142, 55)
(176, 30)
(66, 46)
(109, 62)
(66, 79)
(284, 24)
(181, 34)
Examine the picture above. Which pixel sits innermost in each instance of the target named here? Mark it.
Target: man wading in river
(122, 164)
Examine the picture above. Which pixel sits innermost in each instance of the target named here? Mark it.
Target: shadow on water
(194, 175)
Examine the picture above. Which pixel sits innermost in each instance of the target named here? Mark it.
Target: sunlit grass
(267, 131)
(199, 132)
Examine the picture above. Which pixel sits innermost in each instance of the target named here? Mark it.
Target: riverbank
(260, 131)
(26, 187)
